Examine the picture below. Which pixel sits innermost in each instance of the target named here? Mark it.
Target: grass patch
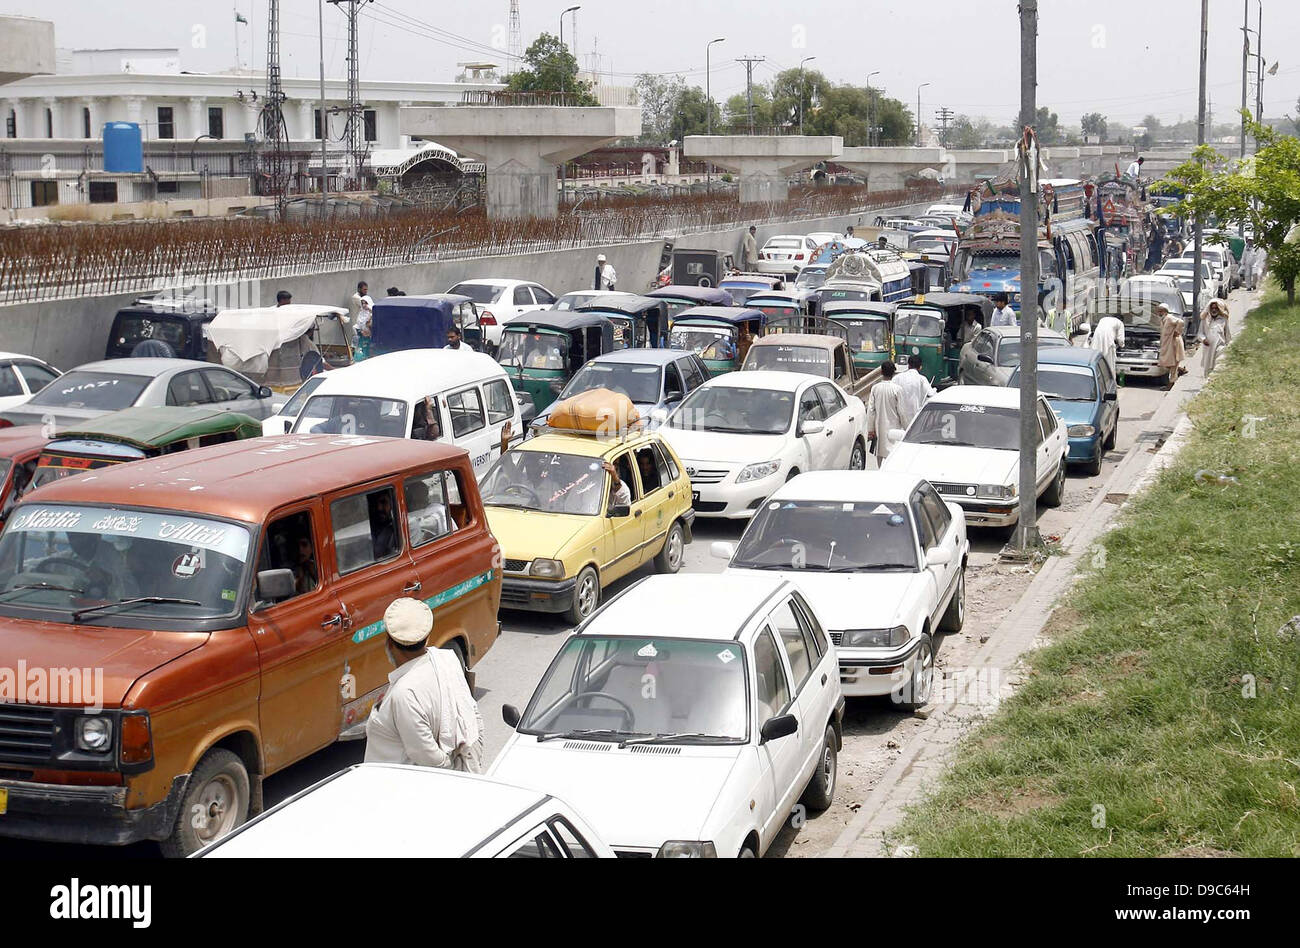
(1163, 719)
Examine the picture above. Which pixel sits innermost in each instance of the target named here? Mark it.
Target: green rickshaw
(134, 434)
(540, 350)
(869, 331)
(716, 334)
(930, 326)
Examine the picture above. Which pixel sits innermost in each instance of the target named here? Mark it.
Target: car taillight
(798, 256)
(137, 738)
(6, 423)
(487, 319)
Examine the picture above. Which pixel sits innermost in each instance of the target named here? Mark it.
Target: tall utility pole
(749, 62)
(873, 111)
(352, 132)
(1027, 528)
(918, 112)
(945, 116)
(324, 116)
(1198, 256)
(1245, 69)
(515, 51)
(564, 88)
(708, 108)
(275, 158)
(1259, 68)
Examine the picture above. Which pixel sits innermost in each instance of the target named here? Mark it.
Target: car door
(818, 448)
(1108, 392)
(840, 424)
(927, 538)
(779, 760)
(1048, 454)
(657, 497)
(674, 386)
(469, 425)
(808, 691)
(946, 536)
(626, 533)
(11, 387)
(502, 409)
(187, 389)
(236, 393)
(522, 300)
(35, 375)
(975, 370)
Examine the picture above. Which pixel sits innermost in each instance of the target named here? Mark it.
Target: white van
(383, 396)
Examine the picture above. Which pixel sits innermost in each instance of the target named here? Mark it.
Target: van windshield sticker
(197, 533)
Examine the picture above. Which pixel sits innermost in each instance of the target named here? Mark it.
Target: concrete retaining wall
(67, 333)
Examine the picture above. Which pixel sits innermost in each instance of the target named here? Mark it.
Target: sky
(1123, 58)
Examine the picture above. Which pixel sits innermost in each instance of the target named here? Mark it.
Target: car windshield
(809, 360)
(917, 324)
(783, 243)
(572, 300)
(294, 405)
(735, 409)
(828, 536)
(478, 292)
(1064, 384)
(533, 350)
(994, 260)
(967, 426)
(928, 244)
(133, 328)
(353, 415)
(1009, 349)
(545, 481)
(640, 383)
(867, 335)
(811, 277)
(102, 391)
(717, 344)
(62, 559)
(612, 688)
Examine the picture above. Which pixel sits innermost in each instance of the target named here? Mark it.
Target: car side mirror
(986, 359)
(674, 396)
(776, 728)
(510, 714)
(810, 428)
(288, 425)
(896, 435)
(274, 585)
(263, 391)
(938, 557)
(1111, 396)
(620, 510)
(722, 551)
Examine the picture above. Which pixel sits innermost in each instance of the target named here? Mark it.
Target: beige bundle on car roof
(599, 411)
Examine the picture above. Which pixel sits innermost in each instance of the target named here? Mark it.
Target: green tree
(966, 132)
(1094, 123)
(548, 66)
(737, 110)
(1264, 193)
(659, 97)
(692, 113)
(1047, 124)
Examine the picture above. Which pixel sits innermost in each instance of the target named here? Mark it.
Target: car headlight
(548, 569)
(756, 472)
(997, 491)
(1081, 431)
(687, 849)
(95, 734)
(875, 638)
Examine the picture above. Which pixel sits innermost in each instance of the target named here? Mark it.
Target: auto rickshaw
(275, 346)
(776, 305)
(714, 334)
(19, 449)
(540, 350)
(681, 298)
(639, 321)
(134, 434)
(421, 322)
(869, 331)
(930, 326)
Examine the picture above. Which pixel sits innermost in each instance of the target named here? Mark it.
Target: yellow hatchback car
(552, 505)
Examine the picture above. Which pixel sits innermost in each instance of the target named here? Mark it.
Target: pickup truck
(825, 356)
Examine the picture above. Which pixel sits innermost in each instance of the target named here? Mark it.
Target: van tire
(586, 595)
(220, 779)
(673, 554)
(457, 649)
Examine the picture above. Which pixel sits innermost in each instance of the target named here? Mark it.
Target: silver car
(994, 353)
(98, 388)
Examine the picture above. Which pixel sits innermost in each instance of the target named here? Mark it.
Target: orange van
(174, 630)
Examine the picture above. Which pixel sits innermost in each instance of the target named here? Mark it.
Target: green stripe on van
(433, 602)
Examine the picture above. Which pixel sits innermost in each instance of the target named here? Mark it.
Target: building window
(169, 187)
(45, 193)
(166, 122)
(49, 123)
(85, 123)
(11, 124)
(103, 192)
(216, 122)
(371, 122)
(316, 124)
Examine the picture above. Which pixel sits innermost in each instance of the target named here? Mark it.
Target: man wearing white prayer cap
(428, 717)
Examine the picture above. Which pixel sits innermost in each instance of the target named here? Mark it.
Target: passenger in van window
(620, 495)
(424, 424)
(649, 474)
(426, 519)
(304, 567)
(383, 531)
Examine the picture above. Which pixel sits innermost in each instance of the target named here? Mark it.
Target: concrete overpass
(26, 48)
(763, 163)
(888, 168)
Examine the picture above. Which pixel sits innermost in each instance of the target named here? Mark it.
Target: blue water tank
(123, 147)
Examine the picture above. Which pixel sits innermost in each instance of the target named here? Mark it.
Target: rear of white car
(786, 255)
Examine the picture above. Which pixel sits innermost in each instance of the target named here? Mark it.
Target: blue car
(1081, 389)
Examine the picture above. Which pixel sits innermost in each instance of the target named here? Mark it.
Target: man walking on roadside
(605, 275)
(1172, 350)
(885, 412)
(1004, 315)
(749, 250)
(916, 388)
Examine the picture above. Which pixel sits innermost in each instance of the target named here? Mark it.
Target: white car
(742, 434)
(499, 301)
(576, 299)
(881, 557)
(1182, 271)
(786, 254)
(966, 442)
(1218, 259)
(687, 717)
(281, 422)
(21, 377)
(394, 811)
(823, 237)
(945, 210)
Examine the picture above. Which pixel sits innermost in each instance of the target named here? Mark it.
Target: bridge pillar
(763, 163)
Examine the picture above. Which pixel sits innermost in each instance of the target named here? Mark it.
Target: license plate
(695, 499)
(4, 801)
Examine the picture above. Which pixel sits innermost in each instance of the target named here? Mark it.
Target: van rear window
(99, 390)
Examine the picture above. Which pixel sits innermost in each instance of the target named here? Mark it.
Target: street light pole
(564, 88)
(918, 111)
(708, 108)
(806, 59)
(324, 116)
(1259, 69)
(1198, 256)
(1245, 68)
(873, 113)
(1027, 526)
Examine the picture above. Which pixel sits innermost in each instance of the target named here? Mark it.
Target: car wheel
(915, 693)
(858, 456)
(1056, 490)
(670, 557)
(1093, 467)
(215, 802)
(747, 852)
(1109, 443)
(586, 595)
(820, 792)
(794, 472)
(954, 617)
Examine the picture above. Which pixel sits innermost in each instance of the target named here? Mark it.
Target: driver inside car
(102, 567)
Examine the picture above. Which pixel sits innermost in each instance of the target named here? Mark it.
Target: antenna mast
(275, 158)
(516, 51)
(353, 132)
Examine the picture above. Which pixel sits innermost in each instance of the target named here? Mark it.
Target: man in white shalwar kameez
(916, 388)
(428, 717)
(885, 410)
(1107, 337)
